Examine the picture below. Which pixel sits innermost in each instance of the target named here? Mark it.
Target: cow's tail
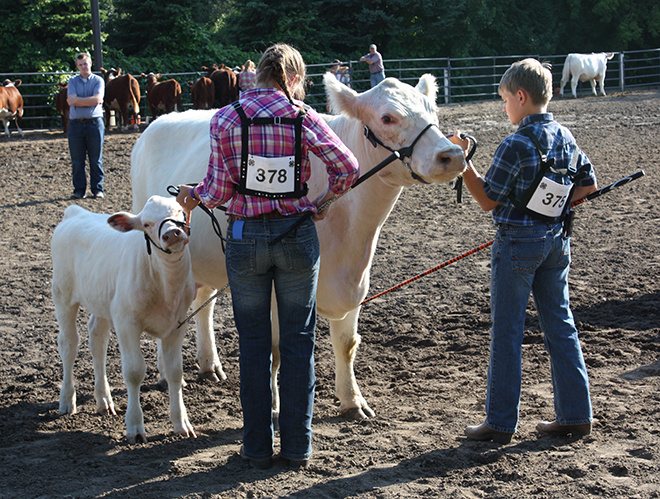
(567, 69)
(135, 102)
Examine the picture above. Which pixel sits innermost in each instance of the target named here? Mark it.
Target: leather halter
(178, 223)
(401, 153)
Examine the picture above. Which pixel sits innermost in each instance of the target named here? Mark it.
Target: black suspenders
(546, 164)
(299, 190)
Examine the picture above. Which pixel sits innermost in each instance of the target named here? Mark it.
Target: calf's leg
(67, 344)
(172, 365)
(133, 370)
(99, 336)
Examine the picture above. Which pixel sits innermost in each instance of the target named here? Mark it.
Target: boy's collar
(535, 118)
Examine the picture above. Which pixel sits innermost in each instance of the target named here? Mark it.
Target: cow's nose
(173, 236)
(450, 159)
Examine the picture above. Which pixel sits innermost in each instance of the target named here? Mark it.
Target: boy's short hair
(529, 75)
(83, 55)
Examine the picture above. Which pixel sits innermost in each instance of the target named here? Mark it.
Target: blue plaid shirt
(516, 163)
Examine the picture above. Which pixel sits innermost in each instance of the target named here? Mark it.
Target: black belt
(89, 120)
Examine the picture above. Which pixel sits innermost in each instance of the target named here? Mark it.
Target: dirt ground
(421, 365)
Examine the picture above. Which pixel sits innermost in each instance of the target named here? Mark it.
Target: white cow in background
(585, 67)
(175, 150)
(113, 276)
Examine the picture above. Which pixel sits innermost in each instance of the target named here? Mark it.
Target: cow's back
(173, 150)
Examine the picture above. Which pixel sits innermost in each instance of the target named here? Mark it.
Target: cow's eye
(388, 120)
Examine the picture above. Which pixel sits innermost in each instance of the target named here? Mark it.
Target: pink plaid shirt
(270, 141)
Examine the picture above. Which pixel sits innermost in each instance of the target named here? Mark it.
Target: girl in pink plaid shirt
(259, 164)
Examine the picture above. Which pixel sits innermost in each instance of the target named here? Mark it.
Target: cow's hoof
(214, 375)
(355, 413)
(106, 409)
(140, 438)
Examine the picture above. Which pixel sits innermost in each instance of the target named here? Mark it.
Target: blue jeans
(376, 78)
(292, 267)
(86, 141)
(533, 259)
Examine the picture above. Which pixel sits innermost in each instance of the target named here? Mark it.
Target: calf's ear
(124, 222)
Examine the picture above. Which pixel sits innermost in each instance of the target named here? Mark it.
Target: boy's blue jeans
(533, 259)
(292, 266)
(86, 141)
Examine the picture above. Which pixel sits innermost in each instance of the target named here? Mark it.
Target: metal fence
(459, 80)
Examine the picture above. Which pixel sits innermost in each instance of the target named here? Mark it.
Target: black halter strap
(404, 152)
(149, 241)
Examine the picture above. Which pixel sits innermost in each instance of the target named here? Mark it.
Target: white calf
(125, 284)
(585, 67)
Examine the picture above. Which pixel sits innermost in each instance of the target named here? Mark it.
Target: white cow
(175, 149)
(116, 279)
(585, 67)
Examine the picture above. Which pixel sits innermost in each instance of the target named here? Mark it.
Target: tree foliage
(43, 35)
(182, 35)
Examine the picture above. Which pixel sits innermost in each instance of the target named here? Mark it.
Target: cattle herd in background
(217, 89)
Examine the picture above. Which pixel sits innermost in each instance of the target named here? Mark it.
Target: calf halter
(401, 153)
(181, 224)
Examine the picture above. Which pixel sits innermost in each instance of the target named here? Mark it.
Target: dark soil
(421, 365)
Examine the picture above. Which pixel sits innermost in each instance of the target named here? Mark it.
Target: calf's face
(162, 219)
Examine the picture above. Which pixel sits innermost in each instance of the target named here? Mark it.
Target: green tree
(44, 35)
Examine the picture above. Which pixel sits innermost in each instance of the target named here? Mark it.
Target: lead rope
(591, 196)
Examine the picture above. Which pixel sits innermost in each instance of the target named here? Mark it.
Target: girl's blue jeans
(291, 266)
(533, 259)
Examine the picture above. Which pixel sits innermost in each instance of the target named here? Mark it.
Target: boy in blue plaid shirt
(531, 253)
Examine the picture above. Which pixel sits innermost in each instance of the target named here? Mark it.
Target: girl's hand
(185, 199)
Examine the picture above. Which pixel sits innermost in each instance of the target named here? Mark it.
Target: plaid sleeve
(217, 188)
(500, 178)
(341, 164)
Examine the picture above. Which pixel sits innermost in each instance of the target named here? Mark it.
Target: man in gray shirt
(376, 68)
(86, 129)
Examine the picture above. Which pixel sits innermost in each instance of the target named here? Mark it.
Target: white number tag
(271, 175)
(549, 198)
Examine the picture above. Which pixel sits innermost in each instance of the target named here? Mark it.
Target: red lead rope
(591, 196)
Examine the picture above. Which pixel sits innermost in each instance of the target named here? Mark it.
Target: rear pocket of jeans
(527, 253)
(241, 256)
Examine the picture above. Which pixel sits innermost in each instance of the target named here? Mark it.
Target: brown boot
(483, 433)
(556, 429)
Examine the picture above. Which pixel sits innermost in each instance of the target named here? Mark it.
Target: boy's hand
(464, 143)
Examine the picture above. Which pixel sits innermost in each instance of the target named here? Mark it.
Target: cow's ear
(343, 100)
(428, 86)
(124, 222)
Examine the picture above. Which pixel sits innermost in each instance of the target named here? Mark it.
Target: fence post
(622, 72)
(447, 84)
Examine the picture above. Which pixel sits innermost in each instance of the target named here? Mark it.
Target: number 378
(270, 175)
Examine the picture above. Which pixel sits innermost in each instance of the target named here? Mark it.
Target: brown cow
(62, 105)
(202, 93)
(226, 84)
(11, 105)
(164, 95)
(122, 92)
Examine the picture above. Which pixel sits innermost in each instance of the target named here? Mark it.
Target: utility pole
(96, 30)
